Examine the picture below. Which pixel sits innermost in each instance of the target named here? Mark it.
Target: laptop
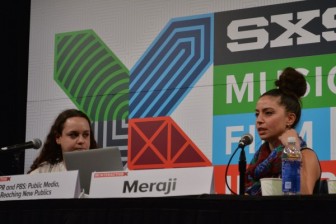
(88, 161)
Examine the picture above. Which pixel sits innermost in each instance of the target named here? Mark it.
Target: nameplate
(152, 182)
(40, 186)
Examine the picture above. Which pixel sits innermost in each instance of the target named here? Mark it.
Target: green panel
(91, 75)
(244, 82)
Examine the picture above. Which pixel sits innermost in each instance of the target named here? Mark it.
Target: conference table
(193, 209)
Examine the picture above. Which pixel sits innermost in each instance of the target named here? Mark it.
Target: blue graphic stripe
(141, 79)
(171, 66)
(179, 93)
(164, 85)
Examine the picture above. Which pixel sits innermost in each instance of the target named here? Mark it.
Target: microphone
(245, 140)
(34, 144)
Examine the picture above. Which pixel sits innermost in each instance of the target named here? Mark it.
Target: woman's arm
(310, 171)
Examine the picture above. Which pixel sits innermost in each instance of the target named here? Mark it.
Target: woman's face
(75, 135)
(271, 118)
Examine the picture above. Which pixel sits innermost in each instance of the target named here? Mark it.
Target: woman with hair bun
(278, 111)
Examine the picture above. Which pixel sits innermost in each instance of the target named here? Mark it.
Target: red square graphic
(160, 143)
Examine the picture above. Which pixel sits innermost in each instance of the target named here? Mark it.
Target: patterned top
(265, 163)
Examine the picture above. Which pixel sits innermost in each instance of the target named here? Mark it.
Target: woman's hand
(290, 133)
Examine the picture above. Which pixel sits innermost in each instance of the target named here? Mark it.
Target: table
(182, 209)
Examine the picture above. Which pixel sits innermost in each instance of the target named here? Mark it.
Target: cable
(226, 171)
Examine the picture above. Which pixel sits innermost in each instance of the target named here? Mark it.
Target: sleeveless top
(267, 163)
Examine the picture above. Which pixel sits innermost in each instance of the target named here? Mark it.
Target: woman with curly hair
(71, 131)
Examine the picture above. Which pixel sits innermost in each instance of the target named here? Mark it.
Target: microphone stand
(242, 170)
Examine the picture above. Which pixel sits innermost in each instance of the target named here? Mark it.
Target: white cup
(331, 186)
(271, 186)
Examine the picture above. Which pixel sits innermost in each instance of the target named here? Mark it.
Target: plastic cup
(271, 186)
(331, 186)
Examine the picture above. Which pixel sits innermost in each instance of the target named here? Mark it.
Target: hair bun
(292, 82)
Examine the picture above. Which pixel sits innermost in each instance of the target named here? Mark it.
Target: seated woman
(70, 131)
(278, 111)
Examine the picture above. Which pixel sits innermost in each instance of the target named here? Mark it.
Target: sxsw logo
(239, 31)
(285, 30)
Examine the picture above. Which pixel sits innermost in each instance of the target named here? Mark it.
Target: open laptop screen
(88, 161)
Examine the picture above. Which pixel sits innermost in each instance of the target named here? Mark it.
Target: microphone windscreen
(246, 139)
(37, 143)
(249, 138)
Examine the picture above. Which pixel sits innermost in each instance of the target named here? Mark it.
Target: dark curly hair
(291, 86)
(51, 151)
